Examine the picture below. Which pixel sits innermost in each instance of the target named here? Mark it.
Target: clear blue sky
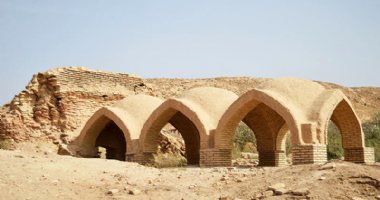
(329, 40)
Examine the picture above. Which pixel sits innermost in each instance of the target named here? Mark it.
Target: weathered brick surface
(215, 157)
(369, 155)
(142, 158)
(359, 155)
(61, 100)
(309, 154)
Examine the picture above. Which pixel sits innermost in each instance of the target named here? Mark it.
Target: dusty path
(25, 175)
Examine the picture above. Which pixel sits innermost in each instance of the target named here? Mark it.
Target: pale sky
(329, 40)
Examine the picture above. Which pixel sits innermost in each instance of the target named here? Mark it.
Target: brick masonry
(141, 158)
(369, 155)
(215, 157)
(60, 100)
(309, 154)
(359, 155)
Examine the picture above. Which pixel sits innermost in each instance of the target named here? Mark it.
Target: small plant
(243, 136)
(371, 131)
(236, 153)
(168, 160)
(6, 145)
(334, 142)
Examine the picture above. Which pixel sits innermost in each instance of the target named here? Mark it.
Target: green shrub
(249, 147)
(245, 141)
(236, 153)
(243, 136)
(6, 145)
(371, 131)
(334, 142)
(168, 160)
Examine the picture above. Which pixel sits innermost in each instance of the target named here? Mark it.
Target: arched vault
(129, 116)
(195, 114)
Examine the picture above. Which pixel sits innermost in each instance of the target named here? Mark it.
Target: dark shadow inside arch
(184, 128)
(190, 135)
(266, 124)
(352, 139)
(111, 138)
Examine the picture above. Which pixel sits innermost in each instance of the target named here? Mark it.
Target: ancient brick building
(207, 118)
(88, 103)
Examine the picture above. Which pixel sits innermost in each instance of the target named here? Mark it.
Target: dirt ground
(29, 175)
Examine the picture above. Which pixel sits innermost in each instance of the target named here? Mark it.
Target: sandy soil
(26, 175)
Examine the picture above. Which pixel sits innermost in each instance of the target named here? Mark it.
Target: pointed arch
(187, 117)
(98, 121)
(243, 106)
(339, 110)
(345, 118)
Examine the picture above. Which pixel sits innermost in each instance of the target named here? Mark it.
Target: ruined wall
(61, 100)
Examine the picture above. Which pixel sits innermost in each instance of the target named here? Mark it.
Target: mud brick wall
(61, 100)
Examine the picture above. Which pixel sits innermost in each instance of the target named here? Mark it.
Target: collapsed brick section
(60, 100)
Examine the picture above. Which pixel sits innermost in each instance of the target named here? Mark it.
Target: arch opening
(186, 129)
(270, 134)
(349, 126)
(104, 133)
(244, 152)
(284, 145)
(111, 139)
(334, 142)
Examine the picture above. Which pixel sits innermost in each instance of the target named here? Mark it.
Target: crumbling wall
(61, 100)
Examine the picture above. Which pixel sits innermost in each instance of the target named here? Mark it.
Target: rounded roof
(209, 101)
(129, 114)
(136, 109)
(298, 94)
(139, 106)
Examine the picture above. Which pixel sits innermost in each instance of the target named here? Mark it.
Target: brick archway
(111, 138)
(344, 117)
(185, 119)
(265, 115)
(337, 108)
(281, 144)
(102, 129)
(127, 115)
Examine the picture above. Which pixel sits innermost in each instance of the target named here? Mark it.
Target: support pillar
(141, 158)
(309, 154)
(215, 158)
(280, 158)
(272, 158)
(360, 155)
